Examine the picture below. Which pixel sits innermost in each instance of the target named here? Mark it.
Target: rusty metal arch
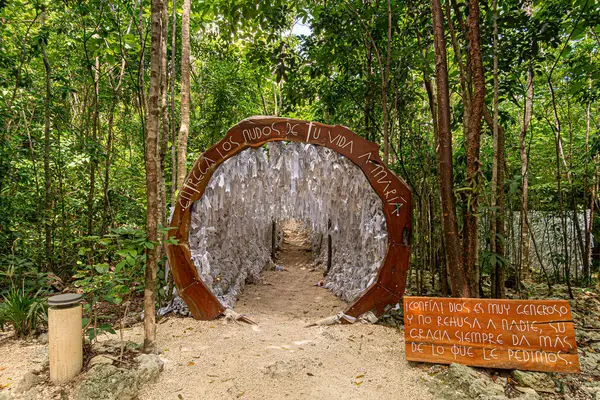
(253, 132)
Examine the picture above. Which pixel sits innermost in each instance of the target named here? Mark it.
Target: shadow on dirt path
(290, 293)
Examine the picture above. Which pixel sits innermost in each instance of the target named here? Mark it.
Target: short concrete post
(65, 339)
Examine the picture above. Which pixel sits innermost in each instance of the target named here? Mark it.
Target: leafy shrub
(2, 317)
(17, 271)
(113, 272)
(23, 311)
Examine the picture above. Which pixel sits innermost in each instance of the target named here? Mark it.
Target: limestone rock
(150, 366)
(28, 382)
(536, 380)
(590, 362)
(592, 389)
(527, 393)
(4, 396)
(97, 360)
(40, 356)
(461, 376)
(480, 386)
(113, 347)
(43, 338)
(107, 382)
(470, 382)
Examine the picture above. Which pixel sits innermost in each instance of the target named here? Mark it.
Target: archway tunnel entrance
(265, 199)
(269, 170)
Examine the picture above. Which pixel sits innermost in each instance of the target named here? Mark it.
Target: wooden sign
(254, 132)
(535, 335)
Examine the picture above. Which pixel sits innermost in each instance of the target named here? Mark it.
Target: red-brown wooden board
(256, 131)
(535, 335)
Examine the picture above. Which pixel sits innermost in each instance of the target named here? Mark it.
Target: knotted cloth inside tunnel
(231, 224)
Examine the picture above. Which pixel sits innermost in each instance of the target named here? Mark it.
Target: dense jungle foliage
(519, 105)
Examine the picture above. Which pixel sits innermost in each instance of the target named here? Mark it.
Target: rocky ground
(459, 382)
(281, 357)
(106, 375)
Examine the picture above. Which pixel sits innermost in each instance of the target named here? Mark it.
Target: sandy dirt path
(280, 358)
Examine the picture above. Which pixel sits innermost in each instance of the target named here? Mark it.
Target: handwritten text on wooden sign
(522, 334)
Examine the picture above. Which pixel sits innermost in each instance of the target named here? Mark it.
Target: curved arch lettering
(256, 131)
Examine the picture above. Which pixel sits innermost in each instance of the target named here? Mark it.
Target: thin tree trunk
(586, 190)
(470, 244)
(558, 143)
(185, 95)
(575, 219)
(275, 103)
(458, 282)
(142, 66)
(463, 71)
(384, 83)
(47, 175)
(428, 87)
(527, 113)
(173, 129)
(539, 257)
(94, 152)
(152, 179)
(497, 200)
(164, 109)
(106, 218)
(368, 88)
(493, 199)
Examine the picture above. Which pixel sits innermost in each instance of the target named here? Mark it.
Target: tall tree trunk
(94, 152)
(465, 76)
(574, 217)
(498, 211)
(47, 177)
(494, 200)
(428, 86)
(368, 88)
(558, 143)
(470, 244)
(164, 110)
(106, 218)
(527, 113)
(384, 84)
(458, 282)
(143, 106)
(173, 124)
(152, 179)
(586, 191)
(184, 128)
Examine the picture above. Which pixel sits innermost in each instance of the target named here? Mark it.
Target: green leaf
(101, 268)
(119, 267)
(107, 328)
